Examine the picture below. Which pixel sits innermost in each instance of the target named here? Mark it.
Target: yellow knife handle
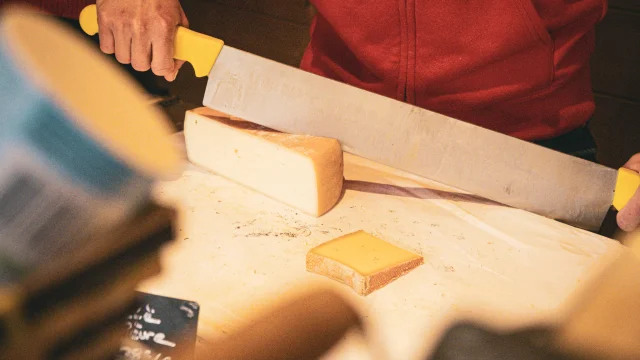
(626, 185)
(198, 49)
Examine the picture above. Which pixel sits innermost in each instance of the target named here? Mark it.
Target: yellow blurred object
(301, 328)
(604, 320)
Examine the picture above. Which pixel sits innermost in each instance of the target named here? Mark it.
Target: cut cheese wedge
(361, 261)
(304, 172)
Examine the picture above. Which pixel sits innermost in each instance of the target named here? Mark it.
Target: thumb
(633, 163)
(629, 217)
(177, 64)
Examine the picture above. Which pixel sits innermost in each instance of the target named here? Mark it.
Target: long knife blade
(406, 137)
(483, 162)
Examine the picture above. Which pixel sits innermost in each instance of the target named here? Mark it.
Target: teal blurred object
(35, 124)
(58, 183)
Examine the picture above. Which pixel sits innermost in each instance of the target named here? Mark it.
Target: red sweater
(63, 8)
(520, 67)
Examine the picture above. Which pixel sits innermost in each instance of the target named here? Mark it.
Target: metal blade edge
(486, 163)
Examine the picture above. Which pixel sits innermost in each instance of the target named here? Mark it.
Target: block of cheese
(361, 261)
(304, 172)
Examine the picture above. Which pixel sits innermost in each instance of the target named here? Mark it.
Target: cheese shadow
(413, 192)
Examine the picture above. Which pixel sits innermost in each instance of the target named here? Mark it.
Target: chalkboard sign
(167, 328)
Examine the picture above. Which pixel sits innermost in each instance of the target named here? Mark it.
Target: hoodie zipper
(402, 73)
(410, 95)
(406, 74)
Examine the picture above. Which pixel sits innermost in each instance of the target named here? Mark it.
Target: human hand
(629, 217)
(141, 33)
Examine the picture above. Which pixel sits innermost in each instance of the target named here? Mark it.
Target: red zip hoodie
(520, 67)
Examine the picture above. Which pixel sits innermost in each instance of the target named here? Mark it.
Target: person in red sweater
(520, 67)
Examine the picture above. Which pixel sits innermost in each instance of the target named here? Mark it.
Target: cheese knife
(465, 156)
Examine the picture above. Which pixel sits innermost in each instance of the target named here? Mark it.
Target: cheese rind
(362, 261)
(304, 172)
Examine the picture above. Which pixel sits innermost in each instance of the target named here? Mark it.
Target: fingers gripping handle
(626, 186)
(198, 49)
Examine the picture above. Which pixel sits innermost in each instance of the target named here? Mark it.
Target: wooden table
(238, 251)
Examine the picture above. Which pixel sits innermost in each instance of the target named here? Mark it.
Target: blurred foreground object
(75, 307)
(302, 328)
(80, 146)
(603, 322)
(471, 341)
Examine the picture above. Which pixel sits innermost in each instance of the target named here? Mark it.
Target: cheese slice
(304, 172)
(361, 261)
